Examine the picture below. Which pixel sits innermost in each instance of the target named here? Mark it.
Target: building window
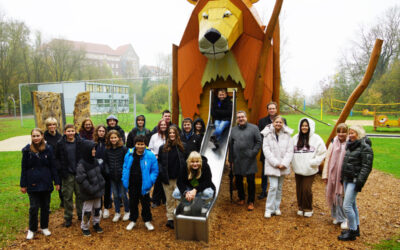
(100, 103)
(106, 103)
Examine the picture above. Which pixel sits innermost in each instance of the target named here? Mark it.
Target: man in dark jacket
(68, 154)
(244, 144)
(112, 123)
(91, 182)
(272, 109)
(139, 129)
(192, 141)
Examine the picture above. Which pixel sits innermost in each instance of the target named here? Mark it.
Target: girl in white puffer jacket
(278, 151)
(309, 152)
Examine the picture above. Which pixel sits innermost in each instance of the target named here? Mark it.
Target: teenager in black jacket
(191, 140)
(171, 159)
(38, 172)
(91, 182)
(139, 129)
(199, 127)
(112, 124)
(195, 181)
(221, 112)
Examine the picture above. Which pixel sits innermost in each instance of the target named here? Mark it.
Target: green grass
(14, 205)
(393, 243)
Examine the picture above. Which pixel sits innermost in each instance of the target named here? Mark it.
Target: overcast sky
(317, 31)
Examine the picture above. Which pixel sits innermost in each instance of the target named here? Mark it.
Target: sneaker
(67, 223)
(97, 228)
(278, 212)
(335, 222)
(344, 225)
(130, 226)
(149, 226)
(46, 232)
(348, 235)
(126, 216)
(308, 214)
(300, 213)
(204, 210)
(106, 213)
(86, 233)
(267, 214)
(116, 217)
(250, 207)
(170, 224)
(30, 235)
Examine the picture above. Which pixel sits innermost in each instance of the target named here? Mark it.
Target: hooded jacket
(357, 163)
(278, 150)
(88, 174)
(221, 110)
(192, 141)
(306, 161)
(148, 167)
(38, 171)
(130, 141)
(62, 161)
(118, 128)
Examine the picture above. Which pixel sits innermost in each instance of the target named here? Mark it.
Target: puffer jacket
(306, 161)
(357, 163)
(114, 161)
(277, 151)
(38, 171)
(89, 175)
(148, 167)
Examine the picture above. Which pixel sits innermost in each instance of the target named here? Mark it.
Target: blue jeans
(206, 196)
(220, 127)
(118, 193)
(350, 206)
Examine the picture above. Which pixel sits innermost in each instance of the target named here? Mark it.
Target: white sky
(317, 31)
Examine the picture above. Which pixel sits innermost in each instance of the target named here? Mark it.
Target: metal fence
(108, 96)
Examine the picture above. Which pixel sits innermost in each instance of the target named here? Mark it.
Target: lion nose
(212, 35)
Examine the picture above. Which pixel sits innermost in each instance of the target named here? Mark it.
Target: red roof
(100, 48)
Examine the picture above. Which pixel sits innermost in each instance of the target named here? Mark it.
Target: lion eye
(205, 15)
(227, 13)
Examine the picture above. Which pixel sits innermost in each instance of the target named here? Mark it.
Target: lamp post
(11, 97)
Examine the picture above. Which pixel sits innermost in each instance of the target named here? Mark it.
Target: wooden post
(262, 63)
(373, 61)
(175, 96)
(276, 67)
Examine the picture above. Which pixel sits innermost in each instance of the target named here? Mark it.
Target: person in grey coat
(244, 144)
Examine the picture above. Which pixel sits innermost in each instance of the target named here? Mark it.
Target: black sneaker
(86, 233)
(262, 196)
(170, 224)
(67, 223)
(97, 228)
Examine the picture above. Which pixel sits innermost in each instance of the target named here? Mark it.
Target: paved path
(14, 143)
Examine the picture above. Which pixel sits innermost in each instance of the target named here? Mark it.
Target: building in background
(104, 97)
(123, 61)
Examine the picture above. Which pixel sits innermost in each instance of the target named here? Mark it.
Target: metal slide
(196, 225)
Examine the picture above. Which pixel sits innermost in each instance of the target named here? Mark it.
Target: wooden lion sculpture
(226, 45)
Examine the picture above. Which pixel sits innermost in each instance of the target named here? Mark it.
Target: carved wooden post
(175, 96)
(276, 63)
(373, 61)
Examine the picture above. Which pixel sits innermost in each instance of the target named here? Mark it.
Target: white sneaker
(300, 213)
(308, 214)
(126, 216)
(30, 235)
(130, 226)
(106, 213)
(149, 226)
(46, 232)
(204, 210)
(335, 222)
(344, 225)
(278, 212)
(267, 214)
(116, 217)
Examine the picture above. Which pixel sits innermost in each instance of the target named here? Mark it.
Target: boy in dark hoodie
(191, 140)
(112, 123)
(68, 154)
(221, 112)
(140, 129)
(199, 127)
(91, 183)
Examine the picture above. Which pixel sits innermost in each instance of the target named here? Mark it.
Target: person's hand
(58, 187)
(23, 190)
(325, 181)
(281, 166)
(188, 197)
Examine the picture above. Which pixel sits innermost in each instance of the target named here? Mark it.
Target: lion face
(221, 24)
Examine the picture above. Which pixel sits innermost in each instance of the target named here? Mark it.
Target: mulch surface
(232, 226)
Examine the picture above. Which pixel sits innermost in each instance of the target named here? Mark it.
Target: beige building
(123, 61)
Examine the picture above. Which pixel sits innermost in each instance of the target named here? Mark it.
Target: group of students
(96, 162)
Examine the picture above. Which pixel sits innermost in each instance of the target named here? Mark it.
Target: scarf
(334, 187)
